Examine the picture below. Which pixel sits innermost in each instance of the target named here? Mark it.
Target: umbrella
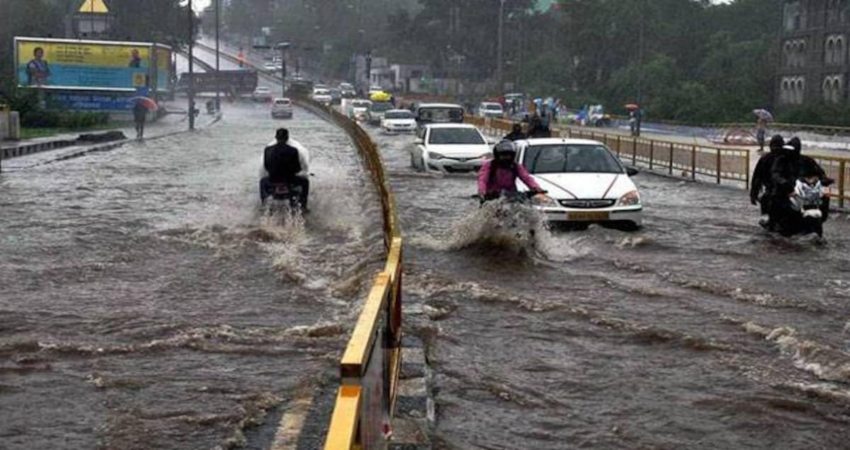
(632, 106)
(763, 114)
(148, 103)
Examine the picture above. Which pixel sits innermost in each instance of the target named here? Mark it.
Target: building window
(792, 90)
(799, 91)
(794, 17)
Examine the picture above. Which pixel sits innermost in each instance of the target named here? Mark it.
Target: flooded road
(148, 303)
(698, 331)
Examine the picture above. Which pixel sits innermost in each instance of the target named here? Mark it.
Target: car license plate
(587, 216)
(281, 190)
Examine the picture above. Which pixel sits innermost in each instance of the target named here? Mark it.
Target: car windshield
(322, 92)
(399, 115)
(381, 107)
(493, 107)
(570, 159)
(281, 102)
(455, 136)
(361, 104)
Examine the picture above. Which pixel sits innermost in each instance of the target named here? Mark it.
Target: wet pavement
(698, 331)
(148, 302)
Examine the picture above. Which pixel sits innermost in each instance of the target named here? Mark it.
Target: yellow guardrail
(371, 362)
(720, 164)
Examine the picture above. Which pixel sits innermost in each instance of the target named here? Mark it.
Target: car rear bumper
(631, 214)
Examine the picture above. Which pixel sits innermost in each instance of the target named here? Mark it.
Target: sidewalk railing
(721, 164)
(370, 365)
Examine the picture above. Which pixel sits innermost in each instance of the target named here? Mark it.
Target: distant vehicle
(427, 113)
(597, 117)
(586, 183)
(336, 96)
(450, 147)
(376, 112)
(359, 109)
(322, 95)
(300, 87)
(270, 67)
(398, 121)
(347, 90)
(490, 109)
(375, 88)
(262, 94)
(282, 108)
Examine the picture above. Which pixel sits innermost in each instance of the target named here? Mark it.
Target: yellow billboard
(89, 65)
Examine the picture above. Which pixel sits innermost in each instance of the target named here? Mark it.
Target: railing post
(671, 158)
(841, 176)
(651, 154)
(693, 162)
(718, 166)
(747, 172)
(618, 146)
(634, 151)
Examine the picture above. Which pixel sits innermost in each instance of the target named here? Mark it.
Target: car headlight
(543, 200)
(435, 155)
(629, 199)
(486, 155)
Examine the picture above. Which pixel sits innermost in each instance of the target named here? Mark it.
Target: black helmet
(505, 147)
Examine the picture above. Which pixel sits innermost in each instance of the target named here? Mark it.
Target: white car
(490, 109)
(322, 95)
(398, 121)
(585, 182)
(262, 94)
(270, 67)
(450, 147)
(359, 109)
(282, 108)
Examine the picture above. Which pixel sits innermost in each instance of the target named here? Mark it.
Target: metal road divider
(371, 363)
(721, 165)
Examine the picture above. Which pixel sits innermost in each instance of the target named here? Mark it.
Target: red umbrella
(148, 103)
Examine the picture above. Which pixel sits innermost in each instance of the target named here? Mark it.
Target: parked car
(322, 95)
(585, 182)
(450, 147)
(262, 94)
(490, 109)
(282, 108)
(398, 121)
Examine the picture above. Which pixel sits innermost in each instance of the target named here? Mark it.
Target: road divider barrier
(720, 164)
(371, 363)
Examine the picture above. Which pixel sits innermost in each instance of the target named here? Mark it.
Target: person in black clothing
(761, 187)
(786, 170)
(516, 133)
(284, 164)
(140, 115)
(537, 128)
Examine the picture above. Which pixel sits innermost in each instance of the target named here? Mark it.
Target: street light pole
(639, 111)
(499, 73)
(191, 90)
(217, 56)
(282, 46)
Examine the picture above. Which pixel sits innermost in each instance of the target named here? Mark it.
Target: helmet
(505, 147)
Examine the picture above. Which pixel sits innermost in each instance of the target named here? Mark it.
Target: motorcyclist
(498, 176)
(762, 185)
(285, 161)
(537, 128)
(516, 133)
(786, 170)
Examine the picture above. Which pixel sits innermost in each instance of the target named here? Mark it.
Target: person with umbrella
(763, 116)
(141, 106)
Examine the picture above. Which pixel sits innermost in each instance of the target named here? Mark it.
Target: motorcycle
(283, 196)
(809, 209)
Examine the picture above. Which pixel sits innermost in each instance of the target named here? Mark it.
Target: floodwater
(698, 331)
(147, 302)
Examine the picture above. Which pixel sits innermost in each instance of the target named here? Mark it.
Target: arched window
(827, 89)
(801, 85)
(837, 91)
(829, 51)
(838, 57)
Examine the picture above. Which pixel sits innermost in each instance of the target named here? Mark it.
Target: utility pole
(217, 51)
(368, 70)
(499, 72)
(191, 91)
(282, 46)
(639, 111)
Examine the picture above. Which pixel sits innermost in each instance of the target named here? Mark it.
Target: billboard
(90, 65)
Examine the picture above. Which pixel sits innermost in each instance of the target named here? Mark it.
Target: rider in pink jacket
(499, 175)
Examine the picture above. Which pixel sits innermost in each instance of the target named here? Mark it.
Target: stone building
(814, 55)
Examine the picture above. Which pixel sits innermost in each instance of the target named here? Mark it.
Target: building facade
(814, 67)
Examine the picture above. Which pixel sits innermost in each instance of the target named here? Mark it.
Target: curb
(414, 416)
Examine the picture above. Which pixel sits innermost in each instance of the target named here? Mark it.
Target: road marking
(292, 421)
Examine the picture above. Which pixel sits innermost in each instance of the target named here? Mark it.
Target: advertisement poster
(86, 65)
(162, 62)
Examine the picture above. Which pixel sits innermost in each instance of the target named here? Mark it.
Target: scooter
(283, 196)
(809, 209)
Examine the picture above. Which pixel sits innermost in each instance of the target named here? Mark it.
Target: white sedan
(398, 121)
(322, 95)
(450, 147)
(585, 182)
(262, 94)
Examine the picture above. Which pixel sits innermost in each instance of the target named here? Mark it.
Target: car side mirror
(631, 171)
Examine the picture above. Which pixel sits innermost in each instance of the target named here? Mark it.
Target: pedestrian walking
(761, 130)
(140, 115)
